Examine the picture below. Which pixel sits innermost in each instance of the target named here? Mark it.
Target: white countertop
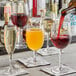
(68, 58)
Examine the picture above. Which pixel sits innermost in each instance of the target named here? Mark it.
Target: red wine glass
(60, 37)
(19, 18)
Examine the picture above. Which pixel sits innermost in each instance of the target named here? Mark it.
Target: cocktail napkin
(50, 71)
(18, 72)
(29, 62)
(51, 51)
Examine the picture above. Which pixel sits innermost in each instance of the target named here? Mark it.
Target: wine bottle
(34, 8)
(70, 13)
(55, 7)
(73, 18)
(60, 4)
(38, 5)
(70, 9)
(7, 13)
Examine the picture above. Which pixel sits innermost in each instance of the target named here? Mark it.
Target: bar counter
(68, 58)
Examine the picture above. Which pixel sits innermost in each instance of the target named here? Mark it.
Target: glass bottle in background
(48, 7)
(63, 4)
(7, 9)
(6, 18)
(2, 11)
(70, 9)
(4, 22)
(34, 10)
(52, 8)
(37, 6)
(55, 8)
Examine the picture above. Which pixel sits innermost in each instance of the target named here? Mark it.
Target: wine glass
(47, 23)
(34, 40)
(9, 41)
(19, 18)
(60, 37)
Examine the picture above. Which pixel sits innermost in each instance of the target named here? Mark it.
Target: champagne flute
(47, 22)
(10, 41)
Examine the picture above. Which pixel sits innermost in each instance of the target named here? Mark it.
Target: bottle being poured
(70, 9)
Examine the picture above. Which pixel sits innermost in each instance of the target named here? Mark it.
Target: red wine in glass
(60, 41)
(19, 19)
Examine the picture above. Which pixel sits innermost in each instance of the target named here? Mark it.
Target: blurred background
(51, 9)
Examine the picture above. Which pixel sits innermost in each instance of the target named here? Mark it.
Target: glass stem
(34, 56)
(47, 40)
(21, 35)
(10, 62)
(60, 51)
(18, 35)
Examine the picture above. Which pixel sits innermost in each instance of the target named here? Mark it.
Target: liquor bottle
(30, 6)
(1, 12)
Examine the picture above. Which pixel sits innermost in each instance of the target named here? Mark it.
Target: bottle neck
(68, 10)
(71, 8)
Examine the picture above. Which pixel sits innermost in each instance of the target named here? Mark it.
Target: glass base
(15, 70)
(65, 70)
(49, 51)
(31, 63)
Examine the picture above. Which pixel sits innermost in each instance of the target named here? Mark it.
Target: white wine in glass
(10, 41)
